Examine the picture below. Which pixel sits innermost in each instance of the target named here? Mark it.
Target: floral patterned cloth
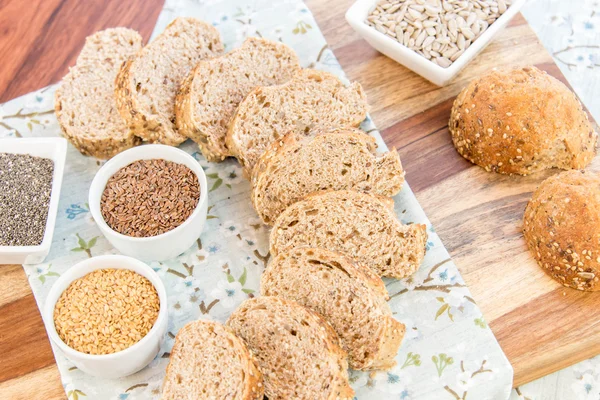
(570, 31)
(448, 353)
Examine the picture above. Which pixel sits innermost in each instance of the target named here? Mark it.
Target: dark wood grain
(28, 331)
(44, 37)
(541, 326)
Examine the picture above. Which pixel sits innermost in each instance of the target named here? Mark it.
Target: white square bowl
(358, 13)
(56, 150)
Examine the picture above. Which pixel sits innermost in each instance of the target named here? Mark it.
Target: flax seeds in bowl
(149, 197)
(106, 311)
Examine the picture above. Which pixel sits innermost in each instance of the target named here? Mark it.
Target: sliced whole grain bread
(362, 226)
(347, 294)
(84, 102)
(298, 352)
(209, 362)
(147, 84)
(296, 166)
(210, 94)
(311, 101)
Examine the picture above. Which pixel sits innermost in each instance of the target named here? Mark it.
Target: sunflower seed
(443, 62)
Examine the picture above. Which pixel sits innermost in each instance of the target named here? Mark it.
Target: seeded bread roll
(311, 101)
(210, 94)
(209, 362)
(519, 121)
(84, 102)
(562, 228)
(347, 294)
(298, 352)
(340, 159)
(147, 84)
(362, 226)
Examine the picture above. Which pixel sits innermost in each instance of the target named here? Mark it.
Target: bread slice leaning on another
(210, 94)
(359, 225)
(84, 102)
(339, 159)
(148, 83)
(347, 294)
(310, 102)
(209, 362)
(298, 352)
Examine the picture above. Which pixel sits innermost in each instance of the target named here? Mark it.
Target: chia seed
(25, 188)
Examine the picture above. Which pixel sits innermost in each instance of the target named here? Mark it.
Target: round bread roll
(562, 228)
(519, 121)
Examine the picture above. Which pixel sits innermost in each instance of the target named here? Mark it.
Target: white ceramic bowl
(169, 244)
(56, 150)
(358, 13)
(124, 362)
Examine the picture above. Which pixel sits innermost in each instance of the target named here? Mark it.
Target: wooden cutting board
(541, 326)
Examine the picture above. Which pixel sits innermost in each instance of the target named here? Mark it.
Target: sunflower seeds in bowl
(434, 38)
(439, 30)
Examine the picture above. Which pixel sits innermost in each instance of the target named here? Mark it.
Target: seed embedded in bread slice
(347, 294)
(362, 226)
(311, 101)
(210, 94)
(296, 166)
(209, 362)
(148, 83)
(84, 102)
(298, 352)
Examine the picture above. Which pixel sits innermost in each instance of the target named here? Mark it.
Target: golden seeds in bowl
(106, 311)
(149, 197)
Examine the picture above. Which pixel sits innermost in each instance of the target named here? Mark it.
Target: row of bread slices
(319, 313)
(181, 86)
(324, 305)
(323, 188)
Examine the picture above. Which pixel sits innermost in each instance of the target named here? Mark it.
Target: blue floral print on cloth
(449, 351)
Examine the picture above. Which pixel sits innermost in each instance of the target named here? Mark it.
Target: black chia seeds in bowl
(25, 189)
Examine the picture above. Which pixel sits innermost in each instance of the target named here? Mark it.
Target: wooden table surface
(482, 233)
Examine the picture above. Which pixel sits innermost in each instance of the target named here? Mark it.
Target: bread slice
(311, 101)
(209, 362)
(84, 102)
(348, 294)
(362, 226)
(147, 84)
(298, 352)
(210, 94)
(297, 165)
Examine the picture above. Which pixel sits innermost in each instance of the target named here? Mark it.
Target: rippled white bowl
(169, 244)
(124, 362)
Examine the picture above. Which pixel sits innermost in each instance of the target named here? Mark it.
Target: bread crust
(304, 119)
(342, 159)
(561, 227)
(95, 145)
(211, 138)
(344, 292)
(519, 121)
(330, 351)
(253, 380)
(362, 226)
(152, 127)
